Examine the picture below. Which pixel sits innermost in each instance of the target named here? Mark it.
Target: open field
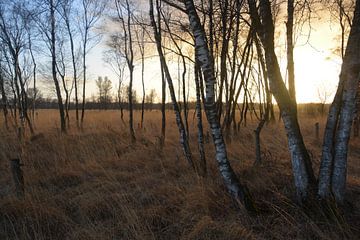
(95, 184)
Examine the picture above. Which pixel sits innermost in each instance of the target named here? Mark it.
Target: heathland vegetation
(224, 152)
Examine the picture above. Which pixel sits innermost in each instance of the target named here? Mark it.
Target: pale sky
(316, 68)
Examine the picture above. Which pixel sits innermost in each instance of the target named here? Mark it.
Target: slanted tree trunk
(301, 162)
(22, 97)
(235, 188)
(350, 73)
(183, 137)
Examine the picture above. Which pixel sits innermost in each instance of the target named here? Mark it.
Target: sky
(316, 67)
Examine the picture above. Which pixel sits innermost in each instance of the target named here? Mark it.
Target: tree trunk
(290, 49)
(235, 188)
(34, 80)
(350, 73)
(73, 59)
(84, 82)
(53, 56)
(130, 59)
(143, 89)
(337, 133)
(4, 100)
(183, 137)
(301, 162)
(202, 170)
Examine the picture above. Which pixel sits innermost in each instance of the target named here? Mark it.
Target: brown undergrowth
(95, 184)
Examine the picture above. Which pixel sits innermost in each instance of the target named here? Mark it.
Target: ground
(95, 184)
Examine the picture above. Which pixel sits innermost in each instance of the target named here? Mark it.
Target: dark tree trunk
(73, 59)
(4, 100)
(53, 57)
(84, 82)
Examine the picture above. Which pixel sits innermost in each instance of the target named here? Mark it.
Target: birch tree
(301, 162)
(236, 189)
(92, 12)
(333, 168)
(125, 18)
(183, 136)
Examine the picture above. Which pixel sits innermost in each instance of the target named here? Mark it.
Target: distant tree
(135, 98)
(150, 98)
(34, 96)
(323, 93)
(115, 59)
(104, 89)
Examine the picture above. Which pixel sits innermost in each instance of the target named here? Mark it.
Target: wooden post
(18, 178)
(317, 130)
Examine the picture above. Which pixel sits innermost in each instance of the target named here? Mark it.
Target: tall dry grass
(95, 184)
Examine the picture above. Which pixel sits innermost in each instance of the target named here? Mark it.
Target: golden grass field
(95, 184)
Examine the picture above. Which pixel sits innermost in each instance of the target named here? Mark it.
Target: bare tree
(115, 59)
(183, 137)
(66, 11)
(14, 21)
(104, 88)
(124, 14)
(140, 36)
(4, 100)
(52, 38)
(332, 175)
(302, 167)
(202, 53)
(92, 12)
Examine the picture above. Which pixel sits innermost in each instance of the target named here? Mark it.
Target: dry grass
(94, 184)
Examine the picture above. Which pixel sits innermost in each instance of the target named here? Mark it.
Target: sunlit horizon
(317, 68)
